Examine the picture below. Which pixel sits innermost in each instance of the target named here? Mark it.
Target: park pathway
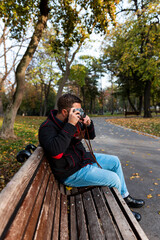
(140, 158)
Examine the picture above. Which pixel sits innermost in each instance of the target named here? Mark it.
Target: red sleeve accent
(58, 156)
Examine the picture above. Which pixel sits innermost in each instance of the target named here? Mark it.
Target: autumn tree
(33, 98)
(133, 55)
(8, 59)
(42, 72)
(76, 79)
(83, 80)
(18, 16)
(73, 24)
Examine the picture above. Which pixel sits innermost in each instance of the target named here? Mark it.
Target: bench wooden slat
(123, 226)
(81, 222)
(107, 223)
(56, 222)
(131, 219)
(42, 223)
(131, 113)
(12, 194)
(62, 188)
(30, 229)
(24, 212)
(51, 211)
(73, 220)
(95, 231)
(64, 219)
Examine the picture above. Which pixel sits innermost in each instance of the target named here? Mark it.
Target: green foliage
(33, 100)
(17, 15)
(133, 55)
(75, 21)
(78, 74)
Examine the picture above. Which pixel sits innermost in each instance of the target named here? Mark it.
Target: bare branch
(59, 64)
(13, 65)
(127, 10)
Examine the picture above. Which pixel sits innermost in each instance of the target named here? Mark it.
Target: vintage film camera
(82, 113)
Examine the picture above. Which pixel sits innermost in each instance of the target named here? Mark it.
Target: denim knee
(117, 163)
(117, 183)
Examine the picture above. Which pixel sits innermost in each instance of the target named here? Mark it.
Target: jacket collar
(52, 117)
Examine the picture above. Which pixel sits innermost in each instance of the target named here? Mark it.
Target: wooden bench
(131, 113)
(34, 205)
(155, 111)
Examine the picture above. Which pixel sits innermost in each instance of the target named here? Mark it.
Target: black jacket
(63, 147)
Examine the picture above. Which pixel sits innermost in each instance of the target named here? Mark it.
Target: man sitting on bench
(60, 136)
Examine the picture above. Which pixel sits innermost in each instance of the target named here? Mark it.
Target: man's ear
(65, 113)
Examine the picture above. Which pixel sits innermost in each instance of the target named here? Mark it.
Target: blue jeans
(110, 175)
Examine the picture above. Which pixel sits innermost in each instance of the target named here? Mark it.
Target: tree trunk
(83, 97)
(130, 102)
(67, 70)
(62, 81)
(7, 129)
(147, 93)
(140, 104)
(1, 92)
(46, 92)
(1, 106)
(41, 100)
(91, 106)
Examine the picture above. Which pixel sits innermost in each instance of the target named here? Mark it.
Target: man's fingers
(71, 110)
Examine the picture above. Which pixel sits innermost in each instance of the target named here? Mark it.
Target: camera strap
(89, 145)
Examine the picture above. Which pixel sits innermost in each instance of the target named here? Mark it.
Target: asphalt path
(140, 158)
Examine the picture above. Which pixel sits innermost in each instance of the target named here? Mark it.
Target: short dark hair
(66, 101)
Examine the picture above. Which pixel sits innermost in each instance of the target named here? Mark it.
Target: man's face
(74, 105)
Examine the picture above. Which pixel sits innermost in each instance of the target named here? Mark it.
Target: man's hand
(73, 117)
(87, 121)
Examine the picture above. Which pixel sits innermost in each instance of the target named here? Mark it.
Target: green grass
(26, 129)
